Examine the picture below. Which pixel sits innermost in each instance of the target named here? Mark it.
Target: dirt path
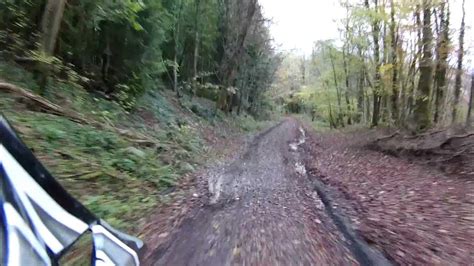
(262, 209)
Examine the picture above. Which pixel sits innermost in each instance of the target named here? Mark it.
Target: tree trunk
(230, 60)
(303, 71)
(338, 91)
(106, 55)
(402, 100)
(175, 73)
(394, 41)
(367, 107)
(459, 71)
(377, 92)
(50, 24)
(442, 62)
(360, 87)
(177, 27)
(469, 119)
(346, 93)
(384, 105)
(196, 39)
(422, 107)
(411, 76)
(360, 97)
(332, 124)
(242, 92)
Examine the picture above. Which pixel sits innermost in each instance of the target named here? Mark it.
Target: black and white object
(39, 220)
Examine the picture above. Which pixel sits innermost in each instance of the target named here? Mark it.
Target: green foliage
(111, 175)
(114, 208)
(105, 169)
(248, 124)
(51, 134)
(111, 63)
(124, 164)
(117, 11)
(97, 141)
(18, 75)
(17, 33)
(128, 48)
(106, 159)
(157, 103)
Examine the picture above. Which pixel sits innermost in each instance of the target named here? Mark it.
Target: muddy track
(264, 209)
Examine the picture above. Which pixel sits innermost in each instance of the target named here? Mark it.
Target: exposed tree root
(441, 148)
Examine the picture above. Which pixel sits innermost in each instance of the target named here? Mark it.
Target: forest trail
(262, 209)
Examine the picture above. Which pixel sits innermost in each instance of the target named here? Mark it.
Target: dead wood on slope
(40, 104)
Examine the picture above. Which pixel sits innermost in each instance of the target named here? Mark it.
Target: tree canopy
(395, 64)
(220, 49)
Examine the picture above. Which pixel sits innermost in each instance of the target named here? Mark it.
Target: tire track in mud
(262, 210)
(361, 250)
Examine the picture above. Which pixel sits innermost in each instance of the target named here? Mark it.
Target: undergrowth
(318, 124)
(116, 178)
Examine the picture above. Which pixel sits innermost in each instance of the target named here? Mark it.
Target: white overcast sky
(297, 24)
